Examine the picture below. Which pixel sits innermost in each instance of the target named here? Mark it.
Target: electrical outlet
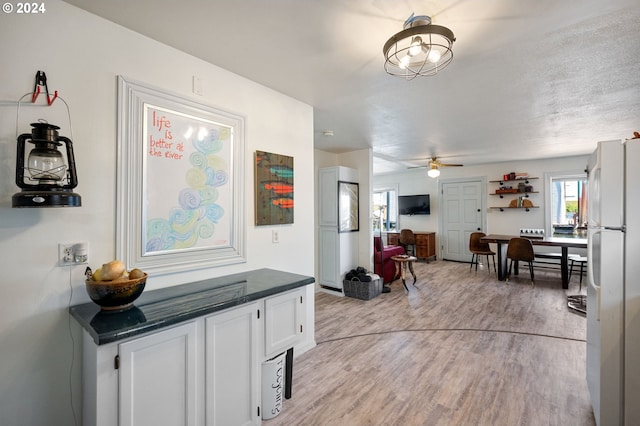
(275, 237)
(73, 253)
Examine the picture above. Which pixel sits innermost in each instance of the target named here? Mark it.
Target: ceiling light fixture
(433, 171)
(420, 49)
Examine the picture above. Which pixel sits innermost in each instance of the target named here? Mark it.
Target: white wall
(82, 55)
(416, 181)
(413, 182)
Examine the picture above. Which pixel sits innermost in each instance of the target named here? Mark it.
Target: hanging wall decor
(274, 188)
(180, 187)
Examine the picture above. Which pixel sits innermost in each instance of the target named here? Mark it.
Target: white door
(231, 361)
(462, 212)
(159, 378)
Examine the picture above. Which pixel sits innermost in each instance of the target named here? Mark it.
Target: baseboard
(331, 290)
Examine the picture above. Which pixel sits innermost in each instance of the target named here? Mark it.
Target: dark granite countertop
(168, 306)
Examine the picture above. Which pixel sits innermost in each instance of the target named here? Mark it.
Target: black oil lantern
(46, 178)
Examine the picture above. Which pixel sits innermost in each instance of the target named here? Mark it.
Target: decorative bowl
(117, 294)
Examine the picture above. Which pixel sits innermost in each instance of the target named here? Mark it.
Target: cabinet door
(328, 258)
(159, 378)
(283, 321)
(328, 197)
(232, 388)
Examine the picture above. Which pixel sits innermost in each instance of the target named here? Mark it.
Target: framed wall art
(348, 209)
(274, 188)
(180, 182)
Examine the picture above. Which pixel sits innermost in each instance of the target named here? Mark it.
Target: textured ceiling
(530, 79)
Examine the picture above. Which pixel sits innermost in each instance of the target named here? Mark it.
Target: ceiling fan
(434, 166)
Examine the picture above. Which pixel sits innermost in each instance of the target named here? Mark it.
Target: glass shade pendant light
(420, 49)
(44, 175)
(433, 172)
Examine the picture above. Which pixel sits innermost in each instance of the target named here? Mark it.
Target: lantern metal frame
(403, 60)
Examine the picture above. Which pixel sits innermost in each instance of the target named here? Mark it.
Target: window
(566, 205)
(385, 210)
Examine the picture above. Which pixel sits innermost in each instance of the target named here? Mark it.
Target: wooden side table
(402, 262)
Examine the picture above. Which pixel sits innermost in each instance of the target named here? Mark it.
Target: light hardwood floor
(461, 348)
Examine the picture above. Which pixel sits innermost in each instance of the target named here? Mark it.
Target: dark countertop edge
(174, 319)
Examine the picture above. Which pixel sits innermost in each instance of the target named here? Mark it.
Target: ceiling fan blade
(450, 165)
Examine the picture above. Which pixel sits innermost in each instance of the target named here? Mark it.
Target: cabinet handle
(116, 362)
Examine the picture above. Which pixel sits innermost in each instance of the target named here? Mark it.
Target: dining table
(565, 244)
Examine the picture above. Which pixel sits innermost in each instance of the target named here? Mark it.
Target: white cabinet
(153, 379)
(159, 378)
(337, 252)
(283, 321)
(204, 371)
(232, 367)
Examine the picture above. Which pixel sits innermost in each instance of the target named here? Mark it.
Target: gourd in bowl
(113, 288)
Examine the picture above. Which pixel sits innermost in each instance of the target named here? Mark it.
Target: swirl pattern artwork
(274, 188)
(188, 177)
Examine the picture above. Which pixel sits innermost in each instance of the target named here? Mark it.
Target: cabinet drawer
(422, 239)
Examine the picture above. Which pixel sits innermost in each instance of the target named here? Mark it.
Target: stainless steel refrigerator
(613, 292)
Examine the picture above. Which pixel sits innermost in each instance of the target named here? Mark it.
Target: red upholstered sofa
(389, 265)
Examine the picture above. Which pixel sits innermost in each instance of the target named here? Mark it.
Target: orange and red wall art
(274, 188)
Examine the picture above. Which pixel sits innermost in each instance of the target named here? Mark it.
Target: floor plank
(459, 348)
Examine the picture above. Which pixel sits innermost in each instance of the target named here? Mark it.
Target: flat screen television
(414, 204)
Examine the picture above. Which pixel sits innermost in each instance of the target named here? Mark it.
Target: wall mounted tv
(414, 204)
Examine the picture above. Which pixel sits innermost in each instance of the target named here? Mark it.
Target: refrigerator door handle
(591, 281)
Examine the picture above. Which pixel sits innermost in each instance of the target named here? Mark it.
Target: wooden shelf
(514, 208)
(525, 180)
(519, 194)
(525, 194)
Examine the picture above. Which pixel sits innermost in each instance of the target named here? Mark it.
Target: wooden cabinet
(515, 195)
(425, 243)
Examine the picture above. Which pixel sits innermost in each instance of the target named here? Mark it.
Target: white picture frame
(180, 182)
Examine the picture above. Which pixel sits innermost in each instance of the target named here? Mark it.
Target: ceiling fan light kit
(420, 49)
(434, 167)
(433, 172)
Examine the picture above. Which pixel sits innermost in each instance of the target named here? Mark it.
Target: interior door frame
(441, 213)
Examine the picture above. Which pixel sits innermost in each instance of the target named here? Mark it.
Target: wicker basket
(363, 290)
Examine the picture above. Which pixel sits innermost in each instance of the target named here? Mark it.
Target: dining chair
(478, 248)
(520, 249)
(406, 239)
